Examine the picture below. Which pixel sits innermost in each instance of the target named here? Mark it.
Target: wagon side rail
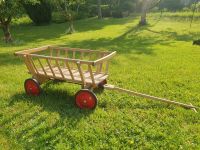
(33, 50)
(51, 65)
(105, 58)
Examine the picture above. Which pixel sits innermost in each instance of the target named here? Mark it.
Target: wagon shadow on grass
(54, 100)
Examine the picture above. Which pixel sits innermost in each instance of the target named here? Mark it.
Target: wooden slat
(77, 78)
(58, 52)
(74, 54)
(60, 70)
(68, 67)
(99, 67)
(66, 54)
(42, 66)
(81, 72)
(79, 49)
(91, 74)
(29, 65)
(82, 55)
(107, 57)
(51, 52)
(107, 66)
(47, 59)
(60, 58)
(32, 62)
(33, 50)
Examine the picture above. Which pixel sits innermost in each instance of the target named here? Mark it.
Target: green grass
(158, 59)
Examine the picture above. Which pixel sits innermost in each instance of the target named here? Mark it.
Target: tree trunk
(71, 24)
(99, 10)
(143, 20)
(6, 32)
(71, 27)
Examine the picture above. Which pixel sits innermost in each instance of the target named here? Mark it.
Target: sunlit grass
(158, 59)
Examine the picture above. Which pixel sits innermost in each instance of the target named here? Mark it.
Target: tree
(8, 10)
(69, 8)
(147, 5)
(40, 13)
(99, 9)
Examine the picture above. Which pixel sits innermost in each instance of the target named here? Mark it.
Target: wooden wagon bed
(82, 66)
(98, 77)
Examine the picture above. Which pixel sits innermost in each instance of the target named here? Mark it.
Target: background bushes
(39, 13)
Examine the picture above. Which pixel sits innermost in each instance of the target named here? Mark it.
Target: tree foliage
(70, 9)
(8, 10)
(39, 13)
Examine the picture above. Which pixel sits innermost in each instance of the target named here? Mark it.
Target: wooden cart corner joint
(89, 68)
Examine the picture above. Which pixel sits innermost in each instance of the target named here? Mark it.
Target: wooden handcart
(89, 68)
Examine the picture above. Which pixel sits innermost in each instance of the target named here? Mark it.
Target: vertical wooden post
(42, 66)
(33, 64)
(29, 65)
(91, 75)
(81, 73)
(49, 64)
(68, 67)
(107, 66)
(74, 54)
(60, 70)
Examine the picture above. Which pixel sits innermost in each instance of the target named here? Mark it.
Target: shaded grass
(158, 60)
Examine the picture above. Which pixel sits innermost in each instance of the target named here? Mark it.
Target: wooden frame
(49, 65)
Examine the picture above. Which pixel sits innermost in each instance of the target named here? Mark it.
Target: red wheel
(85, 99)
(32, 87)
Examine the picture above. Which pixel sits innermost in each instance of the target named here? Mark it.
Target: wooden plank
(74, 54)
(41, 66)
(100, 65)
(79, 49)
(58, 52)
(107, 57)
(77, 78)
(60, 70)
(91, 74)
(66, 54)
(33, 50)
(107, 66)
(60, 58)
(51, 52)
(47, 59)
(29, 65)
(81, 72)
(82, 55)
(68, 67)
(32, 62)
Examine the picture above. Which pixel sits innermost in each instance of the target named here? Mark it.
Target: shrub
(105, 11)
(39, 13)
(117, 14)
(58, 17)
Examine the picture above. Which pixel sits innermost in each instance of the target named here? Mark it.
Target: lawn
(158, 59)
